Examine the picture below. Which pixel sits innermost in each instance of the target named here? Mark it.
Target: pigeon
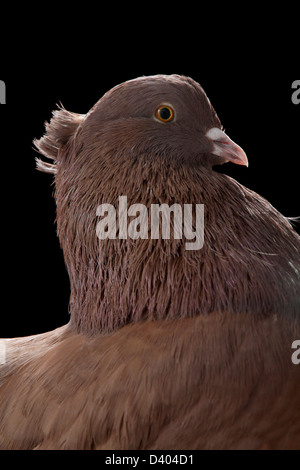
(166, 347)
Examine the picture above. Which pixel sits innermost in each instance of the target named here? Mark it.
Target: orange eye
(164, 113)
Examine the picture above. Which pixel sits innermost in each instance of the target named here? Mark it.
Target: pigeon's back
(215, 382)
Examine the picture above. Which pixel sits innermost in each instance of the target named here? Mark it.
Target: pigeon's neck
(248, 260)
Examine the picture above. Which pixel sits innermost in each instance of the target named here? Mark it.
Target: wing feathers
(211, 382)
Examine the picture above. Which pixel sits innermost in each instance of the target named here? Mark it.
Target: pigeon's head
(153, 139)
(154, 116)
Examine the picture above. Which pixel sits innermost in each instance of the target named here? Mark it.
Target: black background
(248, 83)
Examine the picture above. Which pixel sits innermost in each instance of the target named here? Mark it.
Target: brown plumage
(166, 348)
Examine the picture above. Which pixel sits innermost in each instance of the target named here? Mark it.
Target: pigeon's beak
(225, 148)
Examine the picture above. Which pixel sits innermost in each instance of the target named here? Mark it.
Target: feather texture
(166, 348)
(214, 382)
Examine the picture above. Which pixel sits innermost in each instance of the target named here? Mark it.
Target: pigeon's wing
(213, 382)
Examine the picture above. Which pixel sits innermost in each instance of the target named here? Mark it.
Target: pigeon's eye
(164, 113)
